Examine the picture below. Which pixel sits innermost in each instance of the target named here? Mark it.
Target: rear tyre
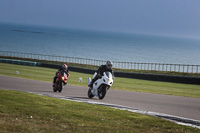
(90, 95)
(55, 89)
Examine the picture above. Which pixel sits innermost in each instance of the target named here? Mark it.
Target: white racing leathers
(101, 85)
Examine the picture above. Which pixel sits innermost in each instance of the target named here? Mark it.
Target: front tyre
(90, 95)
(60, 86)
(102, 91)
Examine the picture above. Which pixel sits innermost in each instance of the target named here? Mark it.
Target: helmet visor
(109, 65)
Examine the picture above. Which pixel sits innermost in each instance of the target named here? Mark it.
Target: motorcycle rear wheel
(55, 89)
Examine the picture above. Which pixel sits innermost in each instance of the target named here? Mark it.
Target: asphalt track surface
(183, 107)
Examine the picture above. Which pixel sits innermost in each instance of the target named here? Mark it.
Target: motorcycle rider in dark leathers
(101, 70)
(63, 68)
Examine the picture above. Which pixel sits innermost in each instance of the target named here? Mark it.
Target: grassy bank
(96, 67)
(47, 74)
(25, 112)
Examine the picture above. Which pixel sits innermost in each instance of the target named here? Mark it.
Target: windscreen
(108, 74)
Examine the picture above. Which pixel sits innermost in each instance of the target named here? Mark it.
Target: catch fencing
(186, 68)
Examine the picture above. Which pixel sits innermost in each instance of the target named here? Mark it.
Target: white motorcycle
(101, 85)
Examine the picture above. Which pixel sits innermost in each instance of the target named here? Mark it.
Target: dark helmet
(109, 64)
(64, 67)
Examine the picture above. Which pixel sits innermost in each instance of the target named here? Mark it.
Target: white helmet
(64, 67)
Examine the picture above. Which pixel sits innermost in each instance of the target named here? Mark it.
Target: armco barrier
(152, 77)
(19, 62)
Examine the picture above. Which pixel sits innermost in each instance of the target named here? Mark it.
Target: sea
(100, 45)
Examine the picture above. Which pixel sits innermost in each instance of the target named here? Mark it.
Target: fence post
(174, 67)
(192, 68)
(170, 67)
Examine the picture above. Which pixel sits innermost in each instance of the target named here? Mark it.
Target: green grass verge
(28, 113)
(47, 74)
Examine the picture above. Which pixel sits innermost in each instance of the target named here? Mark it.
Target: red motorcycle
(61, 81)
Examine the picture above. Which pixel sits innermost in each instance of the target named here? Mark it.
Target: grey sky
(162, 17)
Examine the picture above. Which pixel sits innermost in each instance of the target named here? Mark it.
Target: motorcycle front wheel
(102, 91)
(60, 86)
(90, 95)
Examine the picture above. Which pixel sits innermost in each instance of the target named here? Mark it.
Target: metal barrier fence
(121, 65)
